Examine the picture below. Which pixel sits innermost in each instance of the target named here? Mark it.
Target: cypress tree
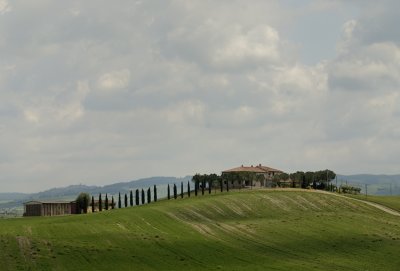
(202, 187)
(106, 203)
(221, 182)
(175, 192)
(137, 196)
(119, 200)
(168, 193)
(227, 185)
(112, 202)
(92, 204)
(155, 193)
(188, 189)
(196, 186)
(100, 203)
(126, 200)
(143, 199)
(209, 186)
(148, 195)
(181, 190)
(131, 198)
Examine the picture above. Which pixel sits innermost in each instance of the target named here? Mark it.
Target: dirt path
(373, 204)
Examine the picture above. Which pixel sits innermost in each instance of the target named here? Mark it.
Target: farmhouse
(258, 176)
(49, 208)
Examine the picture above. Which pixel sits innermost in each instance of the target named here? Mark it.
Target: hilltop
(246, 230)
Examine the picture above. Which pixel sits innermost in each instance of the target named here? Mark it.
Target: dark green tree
(82, 203)
(175, 192)
(303, 182)
(93, 204)
(137, 198)
(143, 197)
(227, 186)
(221, 182)
(131, 198)
(188, 189)
(196, 187)
(210, 181)
(181, 190)
(126, 200)
(203, 184)
(148, 195)
(106, 203)
(168, 192)
(100, 203)
(155, 193)
(112, 202)
(119, 200)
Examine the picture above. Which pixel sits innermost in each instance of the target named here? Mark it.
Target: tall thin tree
(168, 192)
(227, 185)
(137, 198)
(100, 203)
(181, 190)
(126, 200)
(131, 198)
(119, 200)
(112, 202)
(188, 189)
(148, 195)
(143, 198)
(92, 204)
(221, 182)
(175, 192)
(196, 187)
(106, 202)
(202, 186)
(155, 193)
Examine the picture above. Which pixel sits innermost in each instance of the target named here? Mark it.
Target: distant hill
(377, 184)
(11, 200)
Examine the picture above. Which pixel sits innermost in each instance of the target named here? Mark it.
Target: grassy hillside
(247, 230)
(392, 202)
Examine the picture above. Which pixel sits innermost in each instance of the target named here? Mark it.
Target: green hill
(247, 230)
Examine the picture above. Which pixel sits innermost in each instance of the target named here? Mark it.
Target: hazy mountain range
(11, 200)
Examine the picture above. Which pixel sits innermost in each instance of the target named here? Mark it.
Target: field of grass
(247, 230)
(392, 202)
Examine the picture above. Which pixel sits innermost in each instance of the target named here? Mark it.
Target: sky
(96, 92)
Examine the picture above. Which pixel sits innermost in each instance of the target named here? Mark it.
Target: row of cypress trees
(198, 186)
(142, 196)
(139, 199)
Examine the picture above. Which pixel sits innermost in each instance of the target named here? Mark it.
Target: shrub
(82, 202)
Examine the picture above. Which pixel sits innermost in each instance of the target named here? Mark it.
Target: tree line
(205, 183)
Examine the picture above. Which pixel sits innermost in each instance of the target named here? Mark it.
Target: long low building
(49, 208)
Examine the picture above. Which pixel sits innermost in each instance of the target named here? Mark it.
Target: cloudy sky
(96, 92)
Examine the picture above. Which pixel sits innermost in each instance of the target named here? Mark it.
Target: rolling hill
(246, 230)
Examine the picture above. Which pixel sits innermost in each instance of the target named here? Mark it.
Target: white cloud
(4, 7)
(261, 44)
(115, 79)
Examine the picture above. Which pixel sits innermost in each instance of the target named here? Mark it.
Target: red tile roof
(257, 169)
